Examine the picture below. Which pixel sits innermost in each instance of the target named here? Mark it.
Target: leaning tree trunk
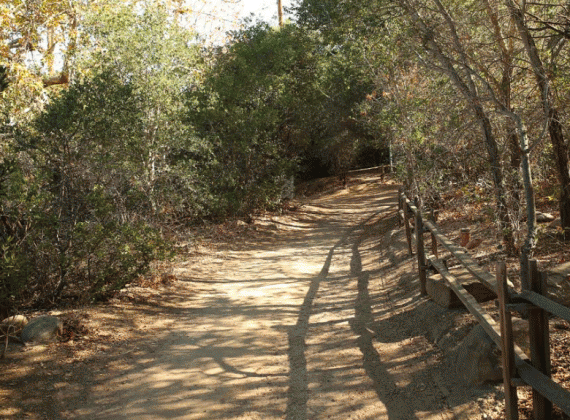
(550, 112)
(505, 223)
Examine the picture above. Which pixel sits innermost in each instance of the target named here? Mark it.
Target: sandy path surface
(311, 317)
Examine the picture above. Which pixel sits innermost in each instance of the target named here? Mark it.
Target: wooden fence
(518, 369)
(382, 170)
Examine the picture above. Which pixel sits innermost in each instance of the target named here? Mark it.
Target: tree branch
(61, 79)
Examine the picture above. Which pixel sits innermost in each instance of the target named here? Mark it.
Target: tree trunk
(550, 112)
(530, 240)
(504, 88)
(505, 224)
(561, 158)
(60, 79)
(280, 13)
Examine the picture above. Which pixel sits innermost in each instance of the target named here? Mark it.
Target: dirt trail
(316, 315)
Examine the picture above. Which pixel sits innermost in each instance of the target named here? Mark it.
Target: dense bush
(75, 221)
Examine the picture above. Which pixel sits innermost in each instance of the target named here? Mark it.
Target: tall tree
(3, 78)
(151, 53)
(280, 12)
(242, 107)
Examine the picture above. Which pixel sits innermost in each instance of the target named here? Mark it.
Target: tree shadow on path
(376, 370)
(298, 393)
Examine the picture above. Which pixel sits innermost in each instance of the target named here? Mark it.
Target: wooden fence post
(420, 247)
(544, 286)
(525, 273)
(539, 341)
(464, 236)
(400, 207)
(407, 224)
(507, 348)
(433, 217)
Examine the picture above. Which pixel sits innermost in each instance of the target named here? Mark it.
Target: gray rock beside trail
(478, 359)
(520, 334)
(555, 223)
(42, 329)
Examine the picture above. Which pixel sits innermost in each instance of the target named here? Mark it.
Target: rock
(13, 325)
(520, 334)
(443, 295)
(544, 217)
(477, 359)
(562, 270)
(287, 187)
(440, 292)
(42, 329)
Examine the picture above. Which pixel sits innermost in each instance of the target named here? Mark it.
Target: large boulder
(42, 329)
(520, 334)
(477, 359)
(441, 293)
(559, 274)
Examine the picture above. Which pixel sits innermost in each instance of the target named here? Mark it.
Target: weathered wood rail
(382, 170)
(518, 369)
